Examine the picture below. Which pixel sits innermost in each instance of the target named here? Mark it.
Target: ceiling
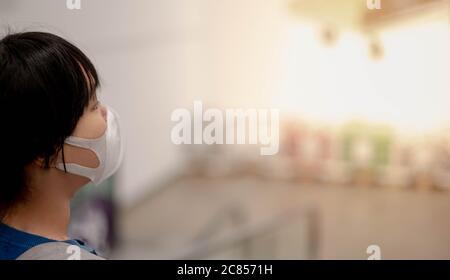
(355, 14)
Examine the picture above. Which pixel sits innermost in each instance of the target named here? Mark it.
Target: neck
(46, 211)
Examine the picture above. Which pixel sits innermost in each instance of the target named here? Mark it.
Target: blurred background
(364, 98)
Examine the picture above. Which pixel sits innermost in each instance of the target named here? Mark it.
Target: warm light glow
(408, 88)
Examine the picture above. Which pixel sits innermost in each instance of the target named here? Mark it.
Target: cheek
(90, 125)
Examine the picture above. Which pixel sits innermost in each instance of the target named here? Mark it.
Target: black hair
(45, 85)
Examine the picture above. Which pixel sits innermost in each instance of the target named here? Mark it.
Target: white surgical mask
(108, 148)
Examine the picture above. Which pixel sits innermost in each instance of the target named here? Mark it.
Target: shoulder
(58, 251)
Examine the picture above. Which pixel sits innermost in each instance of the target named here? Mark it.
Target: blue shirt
(14, 242)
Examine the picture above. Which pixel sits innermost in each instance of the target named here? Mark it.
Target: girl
(55, 138)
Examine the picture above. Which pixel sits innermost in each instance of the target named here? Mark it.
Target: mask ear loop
(63, 159)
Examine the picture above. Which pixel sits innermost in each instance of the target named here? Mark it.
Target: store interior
(364, 128)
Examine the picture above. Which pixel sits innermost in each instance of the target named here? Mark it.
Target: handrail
(245, 234)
